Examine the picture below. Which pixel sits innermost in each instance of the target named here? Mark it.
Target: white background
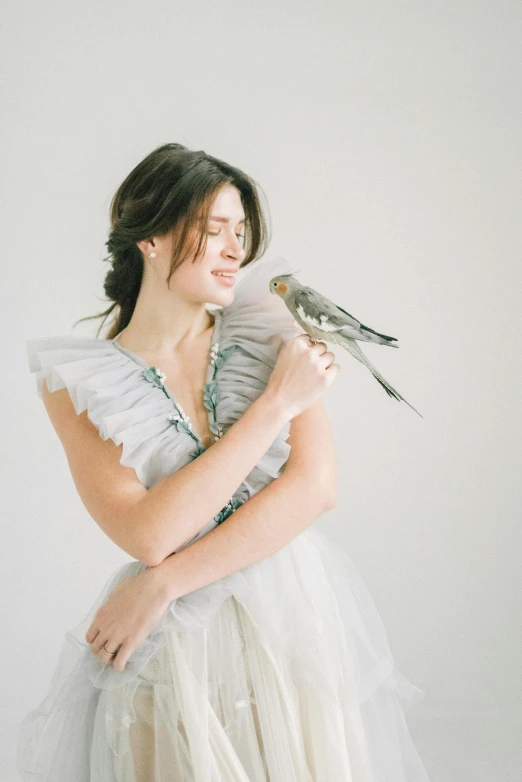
(386, 137)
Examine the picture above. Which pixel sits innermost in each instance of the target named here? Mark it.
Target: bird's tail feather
(368, 335)
(392, 392)
(357, 353)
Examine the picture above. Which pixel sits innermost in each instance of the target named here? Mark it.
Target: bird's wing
(315, 309)
(319, 311)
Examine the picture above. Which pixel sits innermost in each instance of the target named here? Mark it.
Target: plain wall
(386, 138)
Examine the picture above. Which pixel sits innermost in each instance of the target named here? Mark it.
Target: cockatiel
(325, 321)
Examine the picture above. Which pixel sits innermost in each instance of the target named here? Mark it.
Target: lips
(225, 280)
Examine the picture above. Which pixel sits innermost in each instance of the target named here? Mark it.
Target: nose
(234, 247)
(235, 250)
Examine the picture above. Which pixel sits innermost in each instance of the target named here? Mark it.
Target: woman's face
(195, 280)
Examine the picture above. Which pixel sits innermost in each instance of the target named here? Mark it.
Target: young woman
(240, 644)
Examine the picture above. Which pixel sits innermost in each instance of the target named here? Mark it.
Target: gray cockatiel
(327, 322)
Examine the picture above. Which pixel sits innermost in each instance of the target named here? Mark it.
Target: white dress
(281, 671)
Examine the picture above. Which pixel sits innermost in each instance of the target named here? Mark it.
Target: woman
(255, 653)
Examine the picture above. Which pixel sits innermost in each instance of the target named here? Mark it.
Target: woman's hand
(301, 373)
(131, 612)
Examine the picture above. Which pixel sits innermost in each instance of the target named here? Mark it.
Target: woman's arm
(151, 524)
(180, 505)
(263, 525)
(270, 519)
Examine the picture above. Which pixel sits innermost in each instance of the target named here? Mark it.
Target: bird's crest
(289, 274)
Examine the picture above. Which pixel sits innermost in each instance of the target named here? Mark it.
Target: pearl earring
(152, 255)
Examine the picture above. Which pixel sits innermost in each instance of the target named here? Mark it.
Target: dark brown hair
(172, 189)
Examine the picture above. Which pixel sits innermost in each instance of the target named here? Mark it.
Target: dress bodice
(157, 377)
(127, 400)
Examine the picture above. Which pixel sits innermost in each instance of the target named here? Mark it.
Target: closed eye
(239, 236)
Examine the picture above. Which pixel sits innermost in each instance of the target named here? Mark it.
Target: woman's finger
(99, 641)
(124, 652)
(91, 633)
(108, 656)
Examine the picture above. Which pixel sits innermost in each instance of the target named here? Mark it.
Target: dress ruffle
(109, 385)
(280, 671)
(314, 667)
(260, 324)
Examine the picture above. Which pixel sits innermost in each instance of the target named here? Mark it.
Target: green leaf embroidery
(210, 388)
(155, 376)
(199, 450)
(209, 404)
(211, 397)
(226, 352)
(214, 427)
(223, 355)
(232, 505)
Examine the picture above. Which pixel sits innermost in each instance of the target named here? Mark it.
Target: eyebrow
(219, 219)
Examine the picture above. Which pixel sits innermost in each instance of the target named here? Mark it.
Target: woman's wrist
(165, 579)
(273, 408)
(171, 573)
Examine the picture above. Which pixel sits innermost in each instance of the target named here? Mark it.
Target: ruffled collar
(157, 378)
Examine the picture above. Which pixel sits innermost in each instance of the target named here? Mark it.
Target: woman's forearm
(179, 505)
(264, 524)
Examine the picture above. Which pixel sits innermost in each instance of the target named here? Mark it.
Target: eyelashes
(239, 236)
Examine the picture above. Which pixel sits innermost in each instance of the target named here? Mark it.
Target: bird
(323, 320)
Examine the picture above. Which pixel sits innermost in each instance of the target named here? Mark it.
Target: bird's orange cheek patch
(282, 287)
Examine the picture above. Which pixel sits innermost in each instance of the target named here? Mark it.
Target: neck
(164, 327)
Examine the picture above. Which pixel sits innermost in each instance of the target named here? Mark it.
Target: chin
(226, 298)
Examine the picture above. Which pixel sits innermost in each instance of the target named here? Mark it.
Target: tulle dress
(280, 671)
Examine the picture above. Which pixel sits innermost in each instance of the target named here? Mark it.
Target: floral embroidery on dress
(182, 422)
(199, 450)
(227, 511)
(156, 377)
(211, 399)
(219, 358)
(211, 390)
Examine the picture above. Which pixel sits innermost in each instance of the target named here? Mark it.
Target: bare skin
(186, 374)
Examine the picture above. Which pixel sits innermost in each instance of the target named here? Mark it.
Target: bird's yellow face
(278, 286)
